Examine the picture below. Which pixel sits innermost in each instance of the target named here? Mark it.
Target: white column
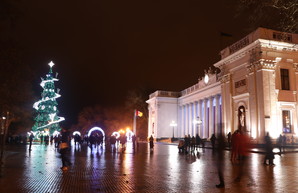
(205, 125)
(189, 118)
(211, 126)
(192, 133)
(183, 120)
(196, 114)
(217, 114)
(179, 123)
(200, 117)
(186, 119)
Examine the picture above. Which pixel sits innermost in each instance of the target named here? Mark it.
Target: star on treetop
(51, 64)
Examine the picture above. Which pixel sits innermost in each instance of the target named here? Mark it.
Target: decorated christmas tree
(47, 119)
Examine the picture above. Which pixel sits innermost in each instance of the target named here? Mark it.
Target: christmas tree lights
(47, 119)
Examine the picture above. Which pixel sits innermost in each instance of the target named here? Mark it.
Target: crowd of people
(62, 142)
(190, 144)
(239, 144)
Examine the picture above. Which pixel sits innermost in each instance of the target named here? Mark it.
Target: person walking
(229, 136)
(151, 142)
(134, 138)
(213, 139)
(186, 143)
(64, 145)
(220, 160)
(279, 144)
(193, 144)
(31, 137)
(244, 146)
(235, 146)
(198, 141)
(269, 155)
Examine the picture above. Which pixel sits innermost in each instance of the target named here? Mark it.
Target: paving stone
(160, 170)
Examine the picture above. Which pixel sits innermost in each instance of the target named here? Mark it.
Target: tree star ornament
(51, 64)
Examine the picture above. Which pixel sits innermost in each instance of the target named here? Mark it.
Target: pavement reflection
(140, 170)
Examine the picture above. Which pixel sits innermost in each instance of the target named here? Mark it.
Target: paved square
(160, 170)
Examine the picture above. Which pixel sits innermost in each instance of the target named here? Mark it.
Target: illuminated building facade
(255, 90)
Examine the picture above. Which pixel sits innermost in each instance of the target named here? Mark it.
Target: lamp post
(173, 124)
(3, 133)
(198, 122)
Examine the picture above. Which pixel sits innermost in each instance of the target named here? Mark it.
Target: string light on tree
(46, 109)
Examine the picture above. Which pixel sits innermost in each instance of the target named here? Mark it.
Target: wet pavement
(160, 170)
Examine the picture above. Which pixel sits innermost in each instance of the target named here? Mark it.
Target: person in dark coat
(134, 139)
(229, 139)
(198, 141)
(220, 160)
(269, 155)
(64, 148)
(186, 143)
(213, 139)
(31, 137)
(151, 142)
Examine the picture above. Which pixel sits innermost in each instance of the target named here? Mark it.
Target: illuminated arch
(76, 132)
(129, 135)
(96, 129)
(117, 134)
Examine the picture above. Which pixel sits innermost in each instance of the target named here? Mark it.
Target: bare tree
(136, 99)
(277, 14)
(16, 96)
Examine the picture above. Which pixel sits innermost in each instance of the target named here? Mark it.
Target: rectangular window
(285, 80)
(286, 121)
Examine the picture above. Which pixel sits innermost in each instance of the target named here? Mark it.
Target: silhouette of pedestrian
(244, 145)
(134, 138)
(269, 155)
(235, 146)
(151, 142)
(198, 141)
(229, 139)
(186, 143)
(220, 160)
(41, 139)
(193, 144)
(284, 142)
(123, 140)
(213, 139)
(31, 137)
(64, 149)
(113, 143)
(279, 144)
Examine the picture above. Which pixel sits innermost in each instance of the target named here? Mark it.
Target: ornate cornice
(295, 66)
(261, 64)
(225, 78)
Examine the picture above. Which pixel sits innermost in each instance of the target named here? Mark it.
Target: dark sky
(103, 48)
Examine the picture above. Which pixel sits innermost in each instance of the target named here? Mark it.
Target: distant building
(255, 90)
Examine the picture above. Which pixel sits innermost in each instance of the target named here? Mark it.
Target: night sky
(102, 49)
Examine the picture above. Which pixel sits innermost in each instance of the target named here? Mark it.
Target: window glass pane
(285, 81)
(286, 121)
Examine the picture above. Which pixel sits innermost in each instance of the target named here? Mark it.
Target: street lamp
(2, 125)
(197, 122)
(173, 124)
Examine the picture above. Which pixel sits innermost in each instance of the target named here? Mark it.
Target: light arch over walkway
(76, 132)
(96, 129)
